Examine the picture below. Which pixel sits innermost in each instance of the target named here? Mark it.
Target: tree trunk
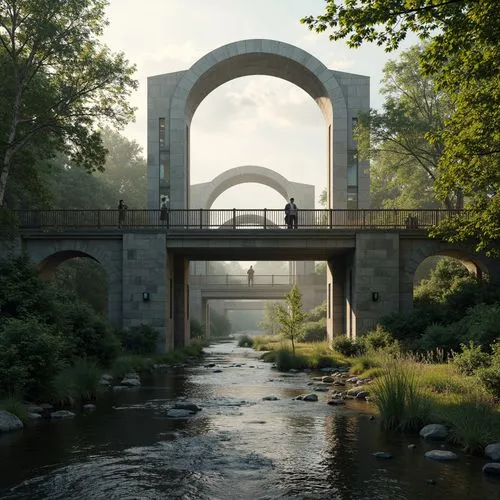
(293, 347)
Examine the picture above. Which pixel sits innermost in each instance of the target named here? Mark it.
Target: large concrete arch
(204, 194)
(173, 99)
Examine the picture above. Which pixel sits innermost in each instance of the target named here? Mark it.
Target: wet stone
(434, 432)
(492, 451)
(270, 398)
(187, 406)
(384, 455)
(62, 414)
(492, 469)
(441, 455)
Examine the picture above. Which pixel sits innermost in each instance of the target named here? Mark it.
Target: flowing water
(238, 447)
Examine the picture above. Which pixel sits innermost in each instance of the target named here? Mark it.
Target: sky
(255, 120)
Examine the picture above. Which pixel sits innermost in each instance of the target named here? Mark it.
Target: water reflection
(238, 447)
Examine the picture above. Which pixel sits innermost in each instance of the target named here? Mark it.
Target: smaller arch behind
(203, 195)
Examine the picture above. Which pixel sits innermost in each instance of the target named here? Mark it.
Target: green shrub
(483, 323)
(317, 313)
(490, 378)
(470, 359)
(446, 337)
(315, 331)
(346, 346)
(363, 363)
(377, 339)
(245, 341)
(30, 357)
(131, 363)
(197, 329)
(285, 361)
(77, 383)
(87, 335)
(140, 339)
(399, 401)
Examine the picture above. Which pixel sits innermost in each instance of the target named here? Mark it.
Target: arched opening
(80, 274)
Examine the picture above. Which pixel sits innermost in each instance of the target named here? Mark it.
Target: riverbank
(407, 392)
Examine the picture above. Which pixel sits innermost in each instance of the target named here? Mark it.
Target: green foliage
(245, 341)
(77, 383)
(291, 317)
(462, 56)
(363, 363)
(377, 339)
(470, 359)
(315, 331)
(87, 335)
(317, 313)
(54, 68)
(399, 401)
(483, 321)
(220, 326)
(140, 339)
(30, 357)
(197, 329)
(286, 360)
(347, 346)
(130, 364)
(269, 321)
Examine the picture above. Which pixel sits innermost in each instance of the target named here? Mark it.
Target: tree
(463, 57)
(291, 317)
(269, 321)
(405, 161)
(58, 84)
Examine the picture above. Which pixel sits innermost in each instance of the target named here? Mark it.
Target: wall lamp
(145, 296)
(375, 296)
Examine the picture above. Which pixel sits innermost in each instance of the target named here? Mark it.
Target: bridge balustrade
(232, 219)
(259, 279)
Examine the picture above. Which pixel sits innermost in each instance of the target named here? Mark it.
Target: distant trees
(58, 84)
(462, 56)
(269, 321)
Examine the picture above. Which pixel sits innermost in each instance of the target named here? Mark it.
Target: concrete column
(181, 301)
(206, 317)
(195, 304)
(375, 278)
(145, 291)
(336, 297)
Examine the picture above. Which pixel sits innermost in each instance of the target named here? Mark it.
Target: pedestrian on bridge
(291, 214)
(122, 211)
(250, 274)
(164, 209)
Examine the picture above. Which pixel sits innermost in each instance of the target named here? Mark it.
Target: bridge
(372, 256)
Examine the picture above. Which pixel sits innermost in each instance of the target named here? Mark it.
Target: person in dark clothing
(250, 274)
(291, 214)
(122, 211)
(164, 209)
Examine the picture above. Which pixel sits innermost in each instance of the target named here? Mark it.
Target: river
(238, 447)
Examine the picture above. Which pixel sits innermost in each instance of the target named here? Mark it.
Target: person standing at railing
(164, 200)
(250, 274)
(122, 212)
(291, 214)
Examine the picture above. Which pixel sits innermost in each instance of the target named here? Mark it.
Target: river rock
(89, 408)
(310, 397)
(34, 416)
(320, 388)
(492, 469)
(178, 413)
(492, 451)
(270, 398)
(336, 402)
(353, 392)
(442, 455)
(327, 379)
(362, 395)
(187, 406)
(9, 422)
(62, 414)
(434, 432)
(382, 454)
(34, 409)
(130, 381)
(107, 376)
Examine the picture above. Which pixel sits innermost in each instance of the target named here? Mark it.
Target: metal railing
(231, 219)
(228, 280)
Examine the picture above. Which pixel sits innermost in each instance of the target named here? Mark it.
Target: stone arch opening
(249, 221)
(174, 98)
(79, 273)
(205, 194)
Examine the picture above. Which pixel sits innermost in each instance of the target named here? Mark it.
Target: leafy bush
(16, 407)
(131, 363)
(285, 361)
(377, 339)
(315, 331)
(446, 337)
(245, 341)
(197, 329)
(77, 383)
(363, 363)
(490, 378)
(87, 335)
(317, 313)
(346, 346)
(483, 323)
(470, 359)
(30, 357)
(220, 326)
(140, 339)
